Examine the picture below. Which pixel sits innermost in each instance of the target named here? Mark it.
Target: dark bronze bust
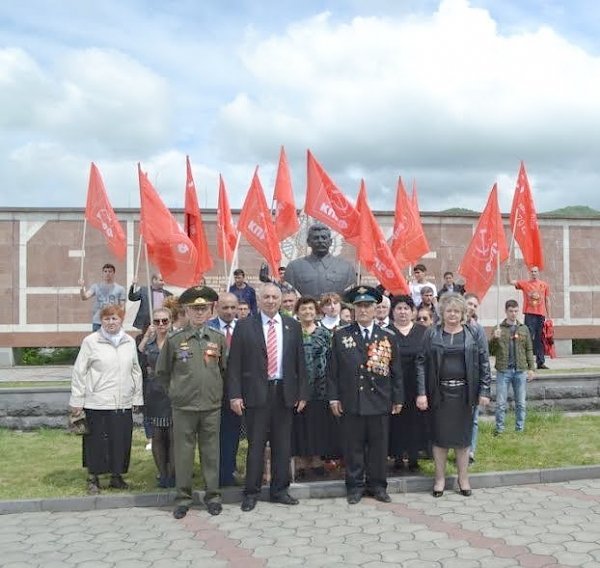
(320, 271)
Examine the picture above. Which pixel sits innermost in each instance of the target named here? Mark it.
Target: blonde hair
(452, 299)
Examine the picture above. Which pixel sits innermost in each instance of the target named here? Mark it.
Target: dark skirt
(409, 432)
(316, 431)
(107, 448)
(452, 418)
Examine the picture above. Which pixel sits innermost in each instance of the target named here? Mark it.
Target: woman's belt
(453, 382)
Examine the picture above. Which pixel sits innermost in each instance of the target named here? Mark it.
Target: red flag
(169, 248)
(256, 225)
(480, 262)
(286, 217)
(325, 202)
(413, 197)
(408, 242)
(100, 214)
(373, 250)
(226, 231)
(523, 220)
(194, 228)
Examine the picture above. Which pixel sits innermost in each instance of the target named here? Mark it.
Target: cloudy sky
(451, 93)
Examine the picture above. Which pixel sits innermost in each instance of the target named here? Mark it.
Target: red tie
(228, 334)
(271, 350)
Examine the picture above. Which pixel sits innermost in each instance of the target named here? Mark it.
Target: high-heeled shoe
(464, 492)
(437, 493)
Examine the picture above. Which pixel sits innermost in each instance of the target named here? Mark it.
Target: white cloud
(445, 96)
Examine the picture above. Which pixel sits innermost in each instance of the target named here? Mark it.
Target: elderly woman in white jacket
(107, 384)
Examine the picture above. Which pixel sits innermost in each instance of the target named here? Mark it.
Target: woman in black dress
(156, 400)
(314, 430)
(408, 432)
(453, 376)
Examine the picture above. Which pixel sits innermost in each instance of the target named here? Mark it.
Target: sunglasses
(162, 321)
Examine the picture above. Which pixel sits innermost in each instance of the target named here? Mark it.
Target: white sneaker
(149, 445)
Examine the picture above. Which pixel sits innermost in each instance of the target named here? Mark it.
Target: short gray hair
(452, 299)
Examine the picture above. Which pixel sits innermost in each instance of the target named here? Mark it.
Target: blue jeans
(518, 380)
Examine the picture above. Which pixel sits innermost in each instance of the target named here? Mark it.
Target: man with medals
(191, 367)
(364, 380)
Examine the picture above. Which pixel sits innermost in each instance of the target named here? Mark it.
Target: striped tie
(271, 350)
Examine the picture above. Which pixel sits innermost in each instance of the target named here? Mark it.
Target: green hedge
(46, 355)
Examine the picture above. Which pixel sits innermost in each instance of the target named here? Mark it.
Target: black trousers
(365, 451)
(272, 422)
(231, 425)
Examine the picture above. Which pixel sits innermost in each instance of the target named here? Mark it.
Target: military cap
(362, 294)
(197, 296)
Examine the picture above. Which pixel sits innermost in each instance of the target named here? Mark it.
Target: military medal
(183, 353)
(348, 342)
(212, 350)
(379, 357)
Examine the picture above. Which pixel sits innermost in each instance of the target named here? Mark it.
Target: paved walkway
(530, 526)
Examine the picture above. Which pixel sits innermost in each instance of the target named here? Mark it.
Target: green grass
(33, 384)
(47, 463)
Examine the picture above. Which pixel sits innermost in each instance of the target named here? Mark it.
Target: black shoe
(543, 366)
(465, 492)
(437, 493)
(381, 495)
(398, 464)
(117, 482)
(284, 499)
(214, 508)
(354, 497)
(180, 511)
(248, 503)
(414, 467)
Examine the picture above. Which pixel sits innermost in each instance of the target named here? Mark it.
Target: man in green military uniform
(191, 366)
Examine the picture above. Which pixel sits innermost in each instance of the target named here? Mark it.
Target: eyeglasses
(162, 321)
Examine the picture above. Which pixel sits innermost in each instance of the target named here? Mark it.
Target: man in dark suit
(450, 285)
(364, 382)
(266, 377)
(231, 423)
(142, 318)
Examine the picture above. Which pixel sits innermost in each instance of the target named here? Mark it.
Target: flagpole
(512, 240)
(498, 294)
(82, 249)
(225, 269)
(139, 254)
(233, 260)
(149, 288)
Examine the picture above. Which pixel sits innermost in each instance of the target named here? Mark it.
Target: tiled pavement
(532, 526)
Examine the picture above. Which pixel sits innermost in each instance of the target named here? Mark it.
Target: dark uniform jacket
(142, 318)
(247, 376)
(477, 364)
(365, 377)
(191, 367)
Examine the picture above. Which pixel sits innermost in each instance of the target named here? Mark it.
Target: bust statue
(320, 272)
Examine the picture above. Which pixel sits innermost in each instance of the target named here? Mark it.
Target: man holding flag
(536, 308)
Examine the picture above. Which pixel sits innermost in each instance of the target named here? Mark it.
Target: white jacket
(106, 377)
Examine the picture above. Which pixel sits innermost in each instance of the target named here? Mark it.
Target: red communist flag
(169, 248)
(256, 225)
(100, 214)
(226, 231)
(194, 228)
(325, 202)
(286, 217)
(523, 220)
(480, 262)
(408, 242)
(373, 250)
